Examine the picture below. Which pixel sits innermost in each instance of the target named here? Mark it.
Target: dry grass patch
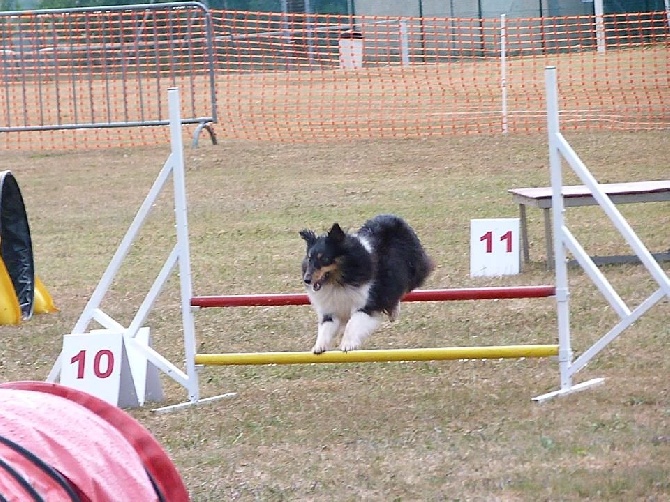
(414, 431)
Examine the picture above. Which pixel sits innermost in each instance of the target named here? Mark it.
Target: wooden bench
(579, 195)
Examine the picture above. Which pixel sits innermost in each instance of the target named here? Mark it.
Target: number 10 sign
(494, 247)
(100, 363)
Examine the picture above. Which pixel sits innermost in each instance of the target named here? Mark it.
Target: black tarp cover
(16, 246)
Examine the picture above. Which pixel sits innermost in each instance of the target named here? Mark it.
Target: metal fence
(106, 67)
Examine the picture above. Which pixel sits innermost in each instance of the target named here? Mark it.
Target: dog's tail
(422, 268)
(398, 245)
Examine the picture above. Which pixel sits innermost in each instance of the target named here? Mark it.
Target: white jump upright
(559, 150)
(179, 256)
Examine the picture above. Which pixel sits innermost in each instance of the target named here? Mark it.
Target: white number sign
(494, 247)
(97, 363)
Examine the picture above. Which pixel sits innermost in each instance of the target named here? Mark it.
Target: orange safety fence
(306, 78)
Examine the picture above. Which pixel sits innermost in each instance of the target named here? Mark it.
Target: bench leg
(548, 235)
(524, 233)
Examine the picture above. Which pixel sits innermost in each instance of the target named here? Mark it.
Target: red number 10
(80, 359)
(488, 237)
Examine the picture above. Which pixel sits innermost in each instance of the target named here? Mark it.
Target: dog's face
(322, 259)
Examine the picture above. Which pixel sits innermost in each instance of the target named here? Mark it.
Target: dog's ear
(308, 236)
(336, 233)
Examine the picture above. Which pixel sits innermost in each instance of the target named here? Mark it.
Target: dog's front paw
(319, 349)
(349, 345)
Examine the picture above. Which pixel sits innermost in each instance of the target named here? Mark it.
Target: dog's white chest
(341, 301)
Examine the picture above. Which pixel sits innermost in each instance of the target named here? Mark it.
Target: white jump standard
(564, 241)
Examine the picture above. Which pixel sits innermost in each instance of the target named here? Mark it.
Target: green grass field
(452, 430)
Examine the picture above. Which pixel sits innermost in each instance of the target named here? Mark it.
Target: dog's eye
(325, 261)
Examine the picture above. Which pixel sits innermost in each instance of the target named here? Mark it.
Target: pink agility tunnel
(61, 444)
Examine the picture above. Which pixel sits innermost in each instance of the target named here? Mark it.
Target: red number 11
(488, 237)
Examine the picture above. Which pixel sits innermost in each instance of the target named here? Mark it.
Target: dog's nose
(307, 278)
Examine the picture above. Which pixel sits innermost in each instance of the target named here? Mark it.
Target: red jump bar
(421, 295)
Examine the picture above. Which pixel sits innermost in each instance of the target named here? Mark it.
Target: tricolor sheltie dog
(352, 279)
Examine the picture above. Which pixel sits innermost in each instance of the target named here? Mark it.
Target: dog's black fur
(352, 278)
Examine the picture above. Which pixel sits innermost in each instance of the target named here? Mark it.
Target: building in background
(409, 8)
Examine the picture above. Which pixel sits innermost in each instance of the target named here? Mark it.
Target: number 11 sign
(494, 247)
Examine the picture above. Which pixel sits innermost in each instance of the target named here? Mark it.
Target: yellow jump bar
(366, 356)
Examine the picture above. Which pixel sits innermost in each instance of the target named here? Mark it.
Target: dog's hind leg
(360, 326)
(328, 328)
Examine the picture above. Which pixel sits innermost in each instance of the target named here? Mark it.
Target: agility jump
(365, 356)
(563, 241)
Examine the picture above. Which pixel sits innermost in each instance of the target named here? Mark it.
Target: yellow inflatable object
(43, 303)
(10, 311)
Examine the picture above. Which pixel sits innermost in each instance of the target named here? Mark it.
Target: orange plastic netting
(90, 79)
